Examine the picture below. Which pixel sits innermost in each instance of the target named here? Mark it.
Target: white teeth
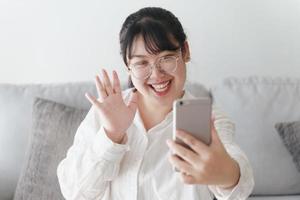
(160, 87)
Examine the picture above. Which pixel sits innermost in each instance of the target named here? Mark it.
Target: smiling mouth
(161, 88)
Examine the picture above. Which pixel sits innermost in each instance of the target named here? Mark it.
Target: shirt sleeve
(91, 162)
(244, 187)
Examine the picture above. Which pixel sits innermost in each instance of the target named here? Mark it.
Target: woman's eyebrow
(169, 53)
(138, 56)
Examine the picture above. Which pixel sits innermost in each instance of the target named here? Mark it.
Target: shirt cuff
(106, 149)
(243, 188)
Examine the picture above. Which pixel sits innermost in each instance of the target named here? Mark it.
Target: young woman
(122, 148)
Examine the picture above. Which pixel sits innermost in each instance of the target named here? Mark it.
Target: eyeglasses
(143, 70)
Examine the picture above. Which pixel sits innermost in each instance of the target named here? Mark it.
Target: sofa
(38, 123)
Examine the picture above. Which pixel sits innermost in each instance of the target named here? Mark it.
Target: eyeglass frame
(155, 65)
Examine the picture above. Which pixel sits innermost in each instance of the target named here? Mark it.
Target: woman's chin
(164, 98)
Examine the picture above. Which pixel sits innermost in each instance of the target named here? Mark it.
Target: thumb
(132, 103)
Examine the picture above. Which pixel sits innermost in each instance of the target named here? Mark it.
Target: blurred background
(44, 41)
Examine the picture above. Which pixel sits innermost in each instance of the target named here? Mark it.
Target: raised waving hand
(115, 115)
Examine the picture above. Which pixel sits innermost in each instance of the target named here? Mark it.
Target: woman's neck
(152, 115)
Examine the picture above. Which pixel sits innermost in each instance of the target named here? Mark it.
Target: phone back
(193, 116)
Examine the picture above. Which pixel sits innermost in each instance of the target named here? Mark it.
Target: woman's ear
(186, 52)
(127, 69)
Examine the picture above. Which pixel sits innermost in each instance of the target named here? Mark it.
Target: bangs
(156, 37)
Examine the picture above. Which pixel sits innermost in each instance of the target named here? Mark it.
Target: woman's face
(160, 88)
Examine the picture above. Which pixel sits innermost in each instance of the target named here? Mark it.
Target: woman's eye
(167, 58)
(141, 64)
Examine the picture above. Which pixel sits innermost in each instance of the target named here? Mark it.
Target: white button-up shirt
(97, 168)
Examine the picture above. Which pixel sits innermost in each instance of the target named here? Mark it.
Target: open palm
(116, 116)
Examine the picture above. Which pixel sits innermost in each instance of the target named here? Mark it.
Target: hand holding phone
(200, 164)
(194, 117)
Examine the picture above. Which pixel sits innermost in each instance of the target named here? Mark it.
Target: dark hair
(160, 29)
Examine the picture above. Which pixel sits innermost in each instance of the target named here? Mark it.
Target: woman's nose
(157, 72)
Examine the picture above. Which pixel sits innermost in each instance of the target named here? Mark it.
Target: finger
(132, 103)
(213, 118)
(183, 152)
(180, 164)
(195, 144)
(93, 100)
(116, 83)
(107, 83)
(187, 179)
(214, 134)
(101, 92)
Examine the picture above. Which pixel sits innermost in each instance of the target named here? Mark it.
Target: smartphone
(194, 117)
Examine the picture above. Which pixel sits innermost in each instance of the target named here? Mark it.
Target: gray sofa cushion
(256, 105)
(15, 122)
(54, 126)
(290, 134)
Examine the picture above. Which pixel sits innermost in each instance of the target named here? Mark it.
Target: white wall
(45, 41)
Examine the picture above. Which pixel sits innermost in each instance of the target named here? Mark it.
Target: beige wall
(70, 40)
